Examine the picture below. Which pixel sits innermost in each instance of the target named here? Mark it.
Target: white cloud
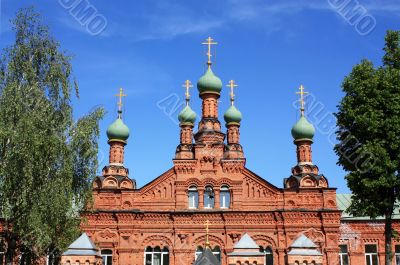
(166, 20)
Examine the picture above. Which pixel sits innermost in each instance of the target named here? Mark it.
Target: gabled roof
(246, 242)
(303, 242)
(303, 246)
(206, 258)
(83, 246)
(344, 201)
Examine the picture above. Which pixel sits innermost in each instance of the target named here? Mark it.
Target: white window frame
(224, 194)
(206, 193)
(267, 251)
(370, 255)
(192, 194)
(342, 254)
(2, 256)
(162, 252)
(106, 256)
(200, 250)
(396, 255)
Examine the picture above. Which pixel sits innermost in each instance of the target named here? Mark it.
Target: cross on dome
(209, 42)
(187, 85)
(302, 94)
(120, 95)
(232, 85)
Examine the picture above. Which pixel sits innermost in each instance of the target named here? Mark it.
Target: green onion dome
(232, 115)
(209, 83)
(303, 129)
(187, 115)
(118, 130)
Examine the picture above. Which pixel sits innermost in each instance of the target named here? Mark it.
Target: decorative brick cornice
(185, 166)
(233, 166)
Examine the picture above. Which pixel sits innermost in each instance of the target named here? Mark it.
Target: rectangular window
(148, 259)
(2, 256)
(397, 254)
(24, 259)
(225, 199)
(193, 199)
(106, 255)
(343, 255)
(371, 255)
(209, 198)
(156, 259)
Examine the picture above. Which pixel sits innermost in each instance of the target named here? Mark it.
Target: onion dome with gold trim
(209, 83)
(118, 130)
(187, 116)
(303, 129)
(232, 115)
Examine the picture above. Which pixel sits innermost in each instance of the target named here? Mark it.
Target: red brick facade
(127, 220)
(209, 181)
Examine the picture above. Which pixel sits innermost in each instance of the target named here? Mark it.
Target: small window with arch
(225, 197)
(106, 255)
(193, 197)
(209, 198)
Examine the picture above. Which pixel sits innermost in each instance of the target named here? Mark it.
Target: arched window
(199, 250)
(216, 251)
(209, 197)
(193, 195)
(156, 256)
(225, 197)
(269, 258)
(106, 255)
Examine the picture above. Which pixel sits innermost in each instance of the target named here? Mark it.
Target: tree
(368, 121)
(47, 160)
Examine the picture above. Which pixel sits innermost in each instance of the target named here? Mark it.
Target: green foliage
(47, 160)
(369, 126)
(369, 133)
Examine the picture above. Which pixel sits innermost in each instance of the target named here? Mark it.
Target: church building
(209, 208)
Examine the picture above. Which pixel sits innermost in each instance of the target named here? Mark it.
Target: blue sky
(269, 47)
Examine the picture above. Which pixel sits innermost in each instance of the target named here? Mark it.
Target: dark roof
(206, 258)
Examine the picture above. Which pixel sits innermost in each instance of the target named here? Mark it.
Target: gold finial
(120, 95)
(302, 102)
(209, 42)
(207, 242)
(187, 85)
(232, 85)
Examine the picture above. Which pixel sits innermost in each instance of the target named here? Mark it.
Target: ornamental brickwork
(163, 222)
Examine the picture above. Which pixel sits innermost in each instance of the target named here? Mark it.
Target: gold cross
(232, 85)
(120, 95)
(207, 242)
(209, 42)
(302, 93)
(187, 85)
